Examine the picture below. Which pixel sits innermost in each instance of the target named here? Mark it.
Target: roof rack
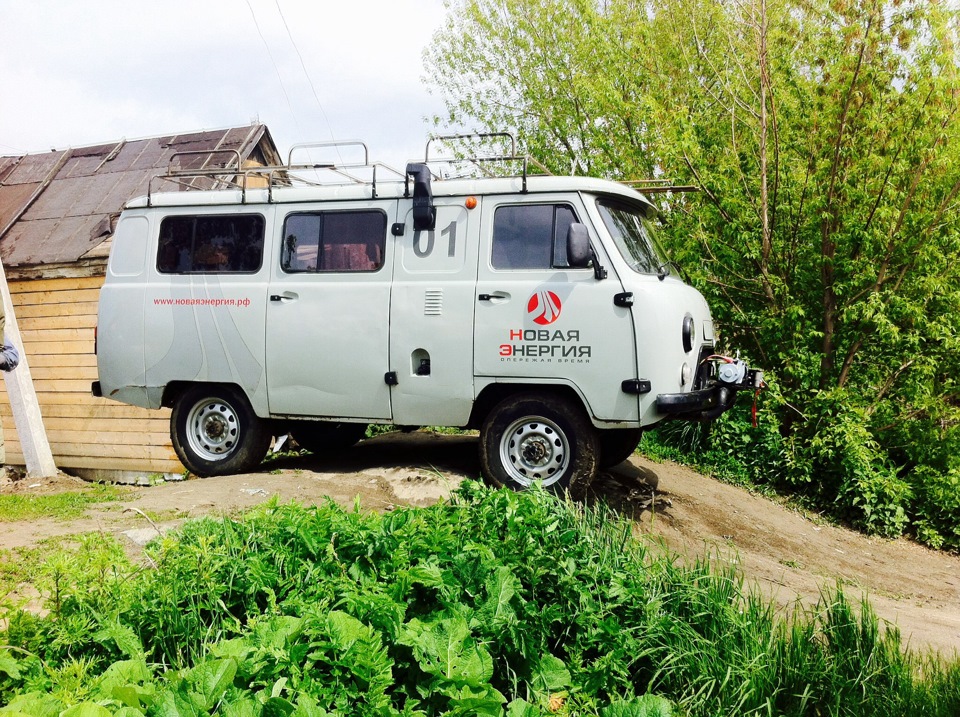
(345, 170)
(480, 161)
(205, 174)
(233, 175)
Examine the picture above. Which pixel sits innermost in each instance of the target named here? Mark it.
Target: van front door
(328, 312)
(538, 320)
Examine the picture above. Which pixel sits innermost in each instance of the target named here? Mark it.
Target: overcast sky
(81, 73)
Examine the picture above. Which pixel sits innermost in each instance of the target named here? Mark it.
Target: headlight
(688, 333)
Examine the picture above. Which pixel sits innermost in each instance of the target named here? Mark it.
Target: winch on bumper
(719, 392)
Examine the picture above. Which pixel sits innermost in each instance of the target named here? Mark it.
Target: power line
(307, 75)
(276, 68)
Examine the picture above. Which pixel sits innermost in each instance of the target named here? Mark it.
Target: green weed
(495, 603)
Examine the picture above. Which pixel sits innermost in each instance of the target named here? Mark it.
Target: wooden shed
(58, 210)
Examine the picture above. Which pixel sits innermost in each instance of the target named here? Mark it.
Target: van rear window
(334, 241)
(214, 244)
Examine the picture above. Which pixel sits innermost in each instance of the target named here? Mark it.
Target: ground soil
(787, 555)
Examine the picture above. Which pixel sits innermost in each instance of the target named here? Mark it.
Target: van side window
(531, 236)
(334, 241)
(224, 244)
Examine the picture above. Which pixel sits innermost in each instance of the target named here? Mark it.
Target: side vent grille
(433, 302)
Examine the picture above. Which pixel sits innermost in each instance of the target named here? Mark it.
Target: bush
(830, 457)
(496, 603)
(938, 505)
(852, 469)
(739, 447)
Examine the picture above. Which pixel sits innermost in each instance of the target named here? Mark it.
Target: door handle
(494, 297)
(286, 296)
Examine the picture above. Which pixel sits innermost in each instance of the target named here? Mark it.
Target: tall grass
(493, 603)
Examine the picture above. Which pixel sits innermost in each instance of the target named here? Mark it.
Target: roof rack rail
(186, 178)
(478, 161)
(659, 186)
(648, 186)
(233, 175)
(344, 168)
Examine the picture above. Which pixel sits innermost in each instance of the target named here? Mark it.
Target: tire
(618, 444)
(539, 437)
(323, 438)
(215, 431)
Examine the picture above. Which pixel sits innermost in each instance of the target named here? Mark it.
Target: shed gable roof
(57, 206)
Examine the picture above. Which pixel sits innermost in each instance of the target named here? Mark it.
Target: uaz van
(537, 309)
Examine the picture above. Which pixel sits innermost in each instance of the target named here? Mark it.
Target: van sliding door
(327, 330)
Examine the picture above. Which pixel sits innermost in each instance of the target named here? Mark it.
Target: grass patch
(59, 506)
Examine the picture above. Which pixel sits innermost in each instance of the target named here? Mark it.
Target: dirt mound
(787, 555)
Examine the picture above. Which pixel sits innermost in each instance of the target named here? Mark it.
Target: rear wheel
(321, 437)
(215, 431)
(546, 438)
(618, 444)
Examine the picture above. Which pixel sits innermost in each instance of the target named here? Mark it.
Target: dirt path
(791, 557)
(787, 555)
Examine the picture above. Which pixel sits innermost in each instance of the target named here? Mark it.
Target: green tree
(824, 138)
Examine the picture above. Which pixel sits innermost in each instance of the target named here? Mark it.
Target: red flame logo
(544, 307)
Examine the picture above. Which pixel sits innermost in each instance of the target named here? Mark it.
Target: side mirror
(424, 213)
(579, 253)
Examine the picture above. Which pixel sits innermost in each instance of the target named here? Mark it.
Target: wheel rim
(534, 449)
(213, 429)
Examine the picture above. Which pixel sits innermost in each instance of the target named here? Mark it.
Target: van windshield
(634, 234)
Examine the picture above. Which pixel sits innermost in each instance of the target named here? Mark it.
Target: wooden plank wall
(57, 318)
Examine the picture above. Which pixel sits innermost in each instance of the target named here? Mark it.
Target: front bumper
(708, 403)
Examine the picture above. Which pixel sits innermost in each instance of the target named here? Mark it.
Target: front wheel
(546, 438)
(215, 431)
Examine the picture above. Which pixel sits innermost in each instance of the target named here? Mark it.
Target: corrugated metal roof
(54, 206)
